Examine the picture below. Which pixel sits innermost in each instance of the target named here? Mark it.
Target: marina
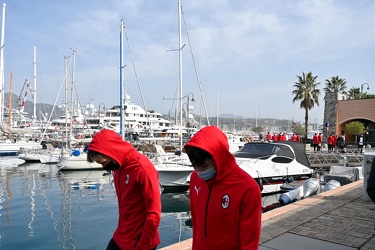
(43, 208)
(337, 219)
(313, 187)
(47, 207)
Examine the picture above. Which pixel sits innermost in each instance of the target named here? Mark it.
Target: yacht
(137, 120)
(274, 164)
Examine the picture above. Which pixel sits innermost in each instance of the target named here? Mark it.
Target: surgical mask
(112, 166)
(208, 174)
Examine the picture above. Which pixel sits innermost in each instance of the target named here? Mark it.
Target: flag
(294, 124)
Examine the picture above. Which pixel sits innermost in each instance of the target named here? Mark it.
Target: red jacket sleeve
(251, 220)
(151, 193)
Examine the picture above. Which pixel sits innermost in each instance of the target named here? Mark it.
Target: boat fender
(76, 152)
(289, 179)
(260, 183)
(288, 197)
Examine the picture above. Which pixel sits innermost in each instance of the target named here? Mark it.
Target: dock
(336, 219)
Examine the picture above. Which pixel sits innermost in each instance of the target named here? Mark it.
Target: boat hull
(10, 148)
(174, 177)
(77, 163)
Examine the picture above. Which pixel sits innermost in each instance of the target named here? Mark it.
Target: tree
(336, 84)
(306, 91)
(298, 129)
(354, 93)
(367, 96)
(355, 128)
(258, 130)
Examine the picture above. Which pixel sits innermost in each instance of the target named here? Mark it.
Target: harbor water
(43, 208)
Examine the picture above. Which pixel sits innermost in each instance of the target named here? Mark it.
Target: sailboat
(174, 175)
(77, 159)
(8, 146)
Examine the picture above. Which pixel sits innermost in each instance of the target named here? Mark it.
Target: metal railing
(322, 159)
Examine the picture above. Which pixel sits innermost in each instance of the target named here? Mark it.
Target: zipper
(206, 215)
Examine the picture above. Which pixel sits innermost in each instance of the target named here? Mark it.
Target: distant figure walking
(315, 141)
(330, 141)
(268, 136)
(340, 144)
(320, 139)
(360, 143)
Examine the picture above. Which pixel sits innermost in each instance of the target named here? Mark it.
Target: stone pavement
(337, 219)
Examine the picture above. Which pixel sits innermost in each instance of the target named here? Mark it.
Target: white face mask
(208, 174)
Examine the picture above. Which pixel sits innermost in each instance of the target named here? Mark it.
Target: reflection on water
(43, 208)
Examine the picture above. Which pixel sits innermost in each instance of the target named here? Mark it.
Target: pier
(336, 219)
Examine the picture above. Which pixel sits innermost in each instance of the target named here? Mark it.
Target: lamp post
(100, 104)
(368, 87)
(101, 118)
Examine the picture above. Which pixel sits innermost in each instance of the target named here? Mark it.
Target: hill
(41, 108)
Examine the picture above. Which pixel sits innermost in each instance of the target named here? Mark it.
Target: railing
(324, 159)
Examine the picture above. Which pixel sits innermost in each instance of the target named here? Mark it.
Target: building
(339, 111)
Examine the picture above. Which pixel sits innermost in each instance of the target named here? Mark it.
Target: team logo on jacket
(225, 201)
(197, 189)
(127, 177)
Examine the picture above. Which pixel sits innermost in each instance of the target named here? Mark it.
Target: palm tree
(336, 84)
(307, 92)
(354, 93)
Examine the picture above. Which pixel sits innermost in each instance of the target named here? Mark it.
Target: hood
(109, 143)
(212, 140)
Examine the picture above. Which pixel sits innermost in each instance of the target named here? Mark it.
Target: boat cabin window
(281, 159)
(257, 150)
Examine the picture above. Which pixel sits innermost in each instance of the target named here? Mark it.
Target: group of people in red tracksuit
(317, 141)
(282, 137)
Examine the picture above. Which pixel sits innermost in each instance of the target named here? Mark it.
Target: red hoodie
(226, 211)
(138, 192)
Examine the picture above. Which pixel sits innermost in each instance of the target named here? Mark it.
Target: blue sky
(247, 53)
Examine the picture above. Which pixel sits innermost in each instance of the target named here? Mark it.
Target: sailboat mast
(180, 67)
(10, 101)
(121, 83)
(34, 94)
(66, 101)
(72, 95)
(217, 108)
(2, 65)
(256, 114)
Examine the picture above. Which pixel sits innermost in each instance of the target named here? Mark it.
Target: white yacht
(137, 119)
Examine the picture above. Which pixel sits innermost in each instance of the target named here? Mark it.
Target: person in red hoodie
(268, 136)
(225, 201)
(138, 191)
(315, 141)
